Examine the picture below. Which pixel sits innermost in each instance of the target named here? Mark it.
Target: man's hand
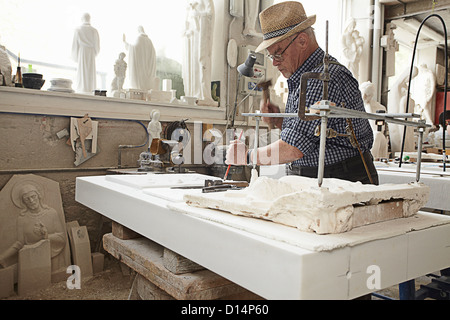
(271, 108)
(236, 153)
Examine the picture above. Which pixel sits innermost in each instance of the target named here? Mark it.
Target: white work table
(272, 260)
(431, 174)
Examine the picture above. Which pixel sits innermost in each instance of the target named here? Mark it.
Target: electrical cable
(445, 89)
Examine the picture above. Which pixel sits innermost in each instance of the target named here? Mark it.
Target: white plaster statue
(85, 48)
(397, 104)
(352, 46)
(37, 221)
(154, 128)
(380, 144)
(391, 46)
(424, 87)
(120, 69)
(141, 62)
(198, 39)
(251, 17)
(5, 68)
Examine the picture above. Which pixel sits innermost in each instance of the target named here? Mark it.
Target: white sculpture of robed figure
(352, 45)
(197, 63)
(141, 62)
(251, 18)
(397, 101)
(120, 69)
(424, 87)
(85, 47)
(380, 144)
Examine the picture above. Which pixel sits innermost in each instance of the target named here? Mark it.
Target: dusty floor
(114, 283)
(111, 284)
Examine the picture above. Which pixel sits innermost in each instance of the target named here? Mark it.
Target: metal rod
(337, 112)
(235, 101)
(419, 151)
(255, 147)
(323, 141)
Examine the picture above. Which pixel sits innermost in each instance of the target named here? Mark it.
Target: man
(291, 45)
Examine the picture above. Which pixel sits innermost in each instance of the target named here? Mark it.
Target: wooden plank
(369, 214)
(142, 289)
(411, 8)
(178, 264)
(146, 258)
(123, 233)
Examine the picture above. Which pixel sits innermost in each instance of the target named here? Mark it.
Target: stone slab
(98, 262)
(81, 250)
(34, 267)
(6, 282)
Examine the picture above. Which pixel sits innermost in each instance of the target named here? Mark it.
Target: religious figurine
(197, 64)
(352, 44)
(397, 101)
(141, 62)
(380, 144)
(85, 48)
(251, 17)
(154, 127)
(37, 221)
(120, 69)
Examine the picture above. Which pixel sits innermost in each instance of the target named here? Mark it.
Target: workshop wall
(30, 145)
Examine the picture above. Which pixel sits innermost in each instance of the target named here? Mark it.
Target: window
(42, 32)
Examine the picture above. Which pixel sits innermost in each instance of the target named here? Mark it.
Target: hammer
(266, 94)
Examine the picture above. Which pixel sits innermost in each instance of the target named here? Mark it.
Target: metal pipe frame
(327, 110)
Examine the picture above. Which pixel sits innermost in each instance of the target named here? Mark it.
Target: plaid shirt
(342, 88)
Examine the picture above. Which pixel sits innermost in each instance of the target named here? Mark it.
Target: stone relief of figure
(424, 87)
(352, 46)
(141, 62)
(120, 69)
(380, 144)
(85, 48)
(36, 221)
(397, 100)
(198, 39)
(251, 18)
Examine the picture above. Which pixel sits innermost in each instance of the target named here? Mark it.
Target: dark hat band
(278, 33)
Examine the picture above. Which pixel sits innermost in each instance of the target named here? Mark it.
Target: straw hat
(282, 20)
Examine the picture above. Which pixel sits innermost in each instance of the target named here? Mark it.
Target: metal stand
(328, 110)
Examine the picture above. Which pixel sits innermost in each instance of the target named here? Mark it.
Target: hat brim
(300, 27)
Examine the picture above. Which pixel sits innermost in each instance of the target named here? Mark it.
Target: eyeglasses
(279, 57)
